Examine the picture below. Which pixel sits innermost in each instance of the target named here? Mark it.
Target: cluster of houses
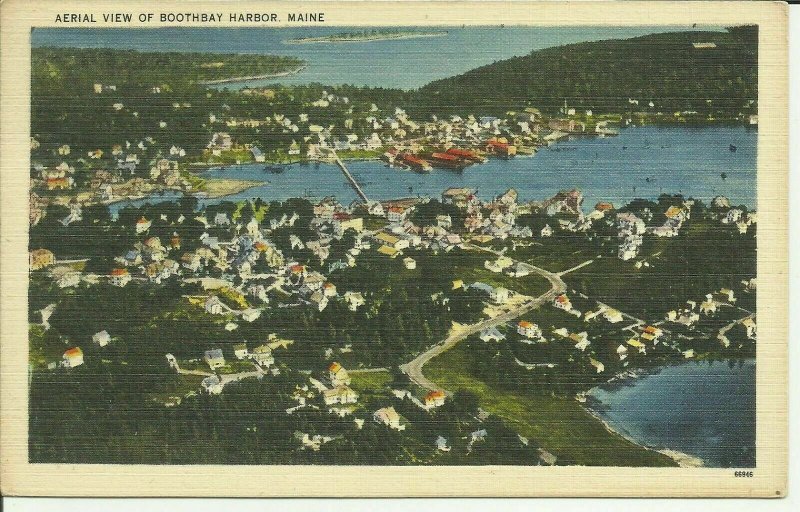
(645, 336)
(732, 215)
(630, 229)
(691, 312)
(648, 336)
(261, 356)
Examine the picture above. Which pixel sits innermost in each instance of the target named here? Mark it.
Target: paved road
(414, 368)
(576, 267)
(721, 336)
(368, 370)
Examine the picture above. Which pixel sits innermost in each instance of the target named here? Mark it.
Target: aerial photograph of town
(455, 246)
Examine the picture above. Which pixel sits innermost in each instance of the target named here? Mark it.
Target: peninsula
(368, 36)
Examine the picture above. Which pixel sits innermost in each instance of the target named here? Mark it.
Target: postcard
(394, 249)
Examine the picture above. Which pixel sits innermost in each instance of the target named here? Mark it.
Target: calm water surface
(403, 64)
(641, 162)
(699, 408)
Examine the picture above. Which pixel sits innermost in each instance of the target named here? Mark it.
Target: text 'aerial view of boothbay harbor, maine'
(495, 245)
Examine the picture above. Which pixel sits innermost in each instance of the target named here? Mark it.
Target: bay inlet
(703, 409)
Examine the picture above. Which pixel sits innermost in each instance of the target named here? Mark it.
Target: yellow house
(388, 251)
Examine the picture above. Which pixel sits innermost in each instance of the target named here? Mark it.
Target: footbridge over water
(349, 176)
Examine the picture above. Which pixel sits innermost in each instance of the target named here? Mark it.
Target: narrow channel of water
(639, 163)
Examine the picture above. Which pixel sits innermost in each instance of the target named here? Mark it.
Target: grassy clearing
(183, 386)
(560, 425)
(370, 381)
(469, 267)
(555, 254)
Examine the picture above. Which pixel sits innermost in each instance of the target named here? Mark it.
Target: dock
(349, 176)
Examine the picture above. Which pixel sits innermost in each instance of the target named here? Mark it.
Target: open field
(560, 425)
(370, 382)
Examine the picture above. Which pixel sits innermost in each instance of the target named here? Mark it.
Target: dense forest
(665, 68)
(134, 67)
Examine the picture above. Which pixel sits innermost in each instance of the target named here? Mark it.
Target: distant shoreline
(254, 77)
(365, 38)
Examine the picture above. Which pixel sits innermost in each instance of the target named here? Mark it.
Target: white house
(499, 295)
(528, 329)
(389, 417)
(340, 395)
(119, 277)
(491, 334)
(262, 355)
(240, 351)
(251, 314)
(214, 358)
(750, 325)
(612, 315)
(562, 302)
(142, 225)
(212, 385)
(213, 305)
(733, 216)
(102, 338)
(354, 300)
(338, 375)
(396, 213)
(708, 307)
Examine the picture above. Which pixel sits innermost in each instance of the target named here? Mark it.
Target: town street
(414, 368)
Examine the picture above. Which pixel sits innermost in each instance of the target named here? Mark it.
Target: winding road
(414, 368)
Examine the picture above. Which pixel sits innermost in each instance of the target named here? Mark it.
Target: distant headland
(367, 36)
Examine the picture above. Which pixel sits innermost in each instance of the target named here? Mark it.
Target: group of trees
(706, 255)
(603, 75)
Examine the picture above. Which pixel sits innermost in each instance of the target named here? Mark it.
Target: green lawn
(532, 284)
(373, 223)
(555, 254)
(370, 381)
(560, 425)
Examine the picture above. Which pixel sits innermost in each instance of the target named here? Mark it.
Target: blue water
(701, 409)
(674, 159)
(404, 64)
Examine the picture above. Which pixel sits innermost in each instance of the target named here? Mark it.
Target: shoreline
(368, 39)
(265, 76)
(220, 187)
(223, 187)
(684, 460)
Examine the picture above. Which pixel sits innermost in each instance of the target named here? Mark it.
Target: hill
(668, 69)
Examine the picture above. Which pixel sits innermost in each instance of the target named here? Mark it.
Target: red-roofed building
(73, 357)
(562, 302)
(528, 329)
(435, 398)
(119, 277)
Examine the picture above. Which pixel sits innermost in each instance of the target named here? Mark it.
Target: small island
(368, 36)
